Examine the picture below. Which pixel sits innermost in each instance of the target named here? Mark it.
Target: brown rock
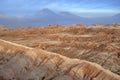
(24, 63)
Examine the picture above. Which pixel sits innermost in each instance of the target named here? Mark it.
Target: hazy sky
(80, 7)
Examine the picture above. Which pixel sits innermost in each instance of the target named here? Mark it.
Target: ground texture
(79, 43)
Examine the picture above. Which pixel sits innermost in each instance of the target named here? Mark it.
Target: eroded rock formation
(19, 62)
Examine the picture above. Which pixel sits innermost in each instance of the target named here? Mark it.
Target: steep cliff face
(19, 62)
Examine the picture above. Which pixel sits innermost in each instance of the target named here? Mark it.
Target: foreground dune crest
(19, 62)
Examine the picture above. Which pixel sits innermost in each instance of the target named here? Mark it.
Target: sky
(87, 8)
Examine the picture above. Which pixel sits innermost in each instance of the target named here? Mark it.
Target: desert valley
(57, 52)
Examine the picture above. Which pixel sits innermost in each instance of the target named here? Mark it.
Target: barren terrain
(97, 43)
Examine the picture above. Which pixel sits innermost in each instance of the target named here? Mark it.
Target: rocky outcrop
(18, 62)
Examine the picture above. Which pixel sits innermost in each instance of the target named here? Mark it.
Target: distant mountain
(45, 13)
(68, 14)
(115, 18)
(117, 15)
(47, 16)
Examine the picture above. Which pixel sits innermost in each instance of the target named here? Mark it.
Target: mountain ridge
(47, 16)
